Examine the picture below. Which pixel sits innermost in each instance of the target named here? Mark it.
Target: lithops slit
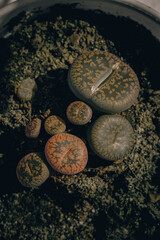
(104, 78)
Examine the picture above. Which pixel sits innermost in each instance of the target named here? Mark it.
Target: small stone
(154, 197)
(66, 153)
(54, 125)
(32, 129)
(79, 113)
(111, 137)
(32, 171)
(27, 89)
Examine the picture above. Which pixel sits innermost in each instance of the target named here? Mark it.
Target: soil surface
(106, 200)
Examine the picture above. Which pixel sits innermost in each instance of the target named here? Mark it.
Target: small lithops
(32, 129)
(27, 89)
(79, 113)
(111, 137)
(32, 171)
(54, 125)
(103, 81)
(66, 153)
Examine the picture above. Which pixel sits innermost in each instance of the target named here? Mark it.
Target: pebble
(66, 153)
(54, 125)
(32, 171)
(79, 113)
(27, 89)
(32, 129)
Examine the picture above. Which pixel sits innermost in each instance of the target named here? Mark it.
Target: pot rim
(141, 7)
(14, 7)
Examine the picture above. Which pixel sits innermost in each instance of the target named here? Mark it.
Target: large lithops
(105, 82)
(79, 113)
(111, 137)
(32, 171)
(54, 125)
(66, 153)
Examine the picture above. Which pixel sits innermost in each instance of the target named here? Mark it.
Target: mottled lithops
(32, 129)
(27, 89)
(111, 137)
(79, 113)
(54, 125)
(32, 171)
(66, 153)
(103, 81)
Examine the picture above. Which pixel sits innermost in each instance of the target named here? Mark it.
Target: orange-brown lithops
(103, 81)
(79, 113)
(32, 171)
(111, 137)
(66, 153)
(54, 125)
(32, 129)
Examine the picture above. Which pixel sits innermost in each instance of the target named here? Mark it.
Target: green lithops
(103, 81)
(27, 89)
(54, 125)
(111, 137)
(79, 113)
(32, 171)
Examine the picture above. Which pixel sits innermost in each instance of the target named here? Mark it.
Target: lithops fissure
(102, 79)
(111, 137)
(105, 82)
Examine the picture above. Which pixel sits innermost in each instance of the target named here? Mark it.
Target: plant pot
(106, 200)
(132, 9)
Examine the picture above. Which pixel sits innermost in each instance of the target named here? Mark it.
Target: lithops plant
(103, 81)
(32, 129)
(79, 113)
(66, 153)
(32, 171)
(111, 137)
(27, 89)
(54, 125)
